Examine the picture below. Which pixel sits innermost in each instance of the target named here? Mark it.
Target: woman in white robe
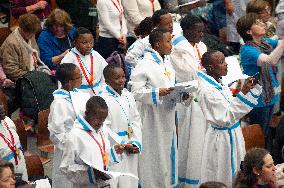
(224, 146)
(90, 62)
(124, 117)
(151, 77)
(186, 61)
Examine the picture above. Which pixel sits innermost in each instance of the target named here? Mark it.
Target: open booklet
(183, 87)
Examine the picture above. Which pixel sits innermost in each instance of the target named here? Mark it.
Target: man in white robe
(123, 119)
(186, 60)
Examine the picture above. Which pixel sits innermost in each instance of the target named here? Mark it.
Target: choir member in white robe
(62, 116)
(224, 146)
(87, 150)
(186, 60)
(11, 149)
(124, 119)
(161, 19)
(90, 62)
(150, 81)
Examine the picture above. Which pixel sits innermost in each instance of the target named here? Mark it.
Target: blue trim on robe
(212, 82)
(253, 95)
(85, 126)
(246, 101)
(178, 40)
(90, 175)
(113, 155)
(234, 126)
(122, 133)
(173, 156)
(88, 87)
(154, 55)
(11, 155)
(60, 92)
(188, 181)
(154, 97)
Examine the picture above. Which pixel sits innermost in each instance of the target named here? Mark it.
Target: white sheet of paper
(183, 87)
(188, 3)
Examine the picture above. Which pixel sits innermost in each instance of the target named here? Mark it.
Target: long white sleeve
(273, 57)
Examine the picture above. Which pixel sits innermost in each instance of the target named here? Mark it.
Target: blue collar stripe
(173, 156)
(88, 86)
(253, 95)
(113, 155)
(246, 101)
(235, 125)
(154, 55)
(85, 127)
(188, 181)
(209, 80)
(178, 40)
(61, 93)
(154, 97)
(90, 175)
(110, 91)
(11, 155)
(122, 133)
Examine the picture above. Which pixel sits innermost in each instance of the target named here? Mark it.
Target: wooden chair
(22, 133)
(44, 144)
(4, 33)
(253, 136)
(34, 166)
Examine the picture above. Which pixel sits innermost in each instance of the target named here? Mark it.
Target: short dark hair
(156, 36)
(145, 27)
(96, 103)
(5, 164)
(29, 23)
(108, 70)
(189, 21)
(81, 31)
(244, 24)
(207, 58)
(156, 18)
(212, 184)
(64, 72)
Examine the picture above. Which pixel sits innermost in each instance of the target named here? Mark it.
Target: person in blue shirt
(261, 55)
(56, 39)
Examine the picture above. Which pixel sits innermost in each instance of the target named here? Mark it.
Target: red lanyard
(34, 59)
(42, 12)
(91, 80)
(153, 6)
(102, 149)
(199, 55)
(119, 8)
(10, 144)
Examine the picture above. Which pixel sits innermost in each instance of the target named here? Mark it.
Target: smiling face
(257, 29)
(59, 30)
(7, 179)
(84, 43)
(218, 66)
(268, 172)
(117, 79)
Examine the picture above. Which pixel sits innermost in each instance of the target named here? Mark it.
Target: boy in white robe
(224, 146)
(151, 81)
(62, 116)
(10, 146)
(87, 151)
(90, 62)
(123, 119)
(186, 60)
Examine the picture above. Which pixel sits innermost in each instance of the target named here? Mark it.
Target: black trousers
(105, 46)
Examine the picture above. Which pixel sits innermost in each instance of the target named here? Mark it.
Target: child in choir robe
(62, 116)
(10, 146)
(151, 81)
(90, 62)
(87, 151)
(124, 119)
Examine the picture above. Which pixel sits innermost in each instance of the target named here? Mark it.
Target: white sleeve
(273, 57)
(218, 111)
(10, 123)
(103, 65)
(76, 173)
(132, 12)
(136, 125)
(135, 52)
(105, 20)
(68, 58)
(139, 88)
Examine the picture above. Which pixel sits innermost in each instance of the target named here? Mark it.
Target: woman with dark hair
(56, 38)
(261, 55)
(257, 170)
(7, 177)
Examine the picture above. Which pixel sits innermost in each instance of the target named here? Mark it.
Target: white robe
(6, 153)
(224, 146)
(122, 113)
(191, 121)
(157, 163)
(98, 67)
(82, 154)
(60, 122)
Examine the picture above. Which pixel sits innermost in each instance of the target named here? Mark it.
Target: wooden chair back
(253, 136)
(34, 166)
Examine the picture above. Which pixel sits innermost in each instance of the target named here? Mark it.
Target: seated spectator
(257, 170)
(40, 8)
(7, 177)
(19, 53)
(11, 149)
(56, 38)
